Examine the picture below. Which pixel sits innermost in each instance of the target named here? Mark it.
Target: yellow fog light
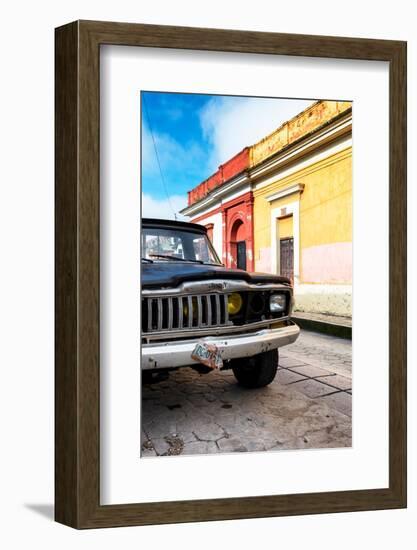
(234, 303)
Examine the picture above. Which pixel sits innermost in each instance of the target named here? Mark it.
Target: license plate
(207, 354)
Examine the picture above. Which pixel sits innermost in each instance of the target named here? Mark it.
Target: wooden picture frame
(77, 382)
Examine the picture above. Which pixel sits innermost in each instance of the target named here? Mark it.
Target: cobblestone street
(308, 405)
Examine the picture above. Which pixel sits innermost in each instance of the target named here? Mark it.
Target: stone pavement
(308, 405)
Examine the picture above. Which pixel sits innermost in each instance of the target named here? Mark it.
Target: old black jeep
(196, 312)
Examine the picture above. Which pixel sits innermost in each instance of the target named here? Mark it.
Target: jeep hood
(171, 274)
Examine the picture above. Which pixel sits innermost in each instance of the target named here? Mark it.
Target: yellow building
(301, 178)
(290, 195)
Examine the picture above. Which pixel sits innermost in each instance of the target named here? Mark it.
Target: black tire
(257, 371)
(149, 377)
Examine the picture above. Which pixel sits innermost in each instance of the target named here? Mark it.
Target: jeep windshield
(171, 244)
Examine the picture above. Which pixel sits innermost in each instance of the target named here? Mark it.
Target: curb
(325, 327)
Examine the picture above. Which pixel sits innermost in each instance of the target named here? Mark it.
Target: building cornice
(215, 195)
(330, 132)
(293, 188)
(246, 197)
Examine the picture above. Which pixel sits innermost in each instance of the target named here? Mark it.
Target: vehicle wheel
(149, 377)
(146, 377)
(257, 371)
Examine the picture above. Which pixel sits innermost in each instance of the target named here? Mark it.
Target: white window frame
(284, 210)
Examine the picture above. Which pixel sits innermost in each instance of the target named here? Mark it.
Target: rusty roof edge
(296, 142)
(299, 115)
(265, 160)
(222, 165)
(220, 190)
(274, 153)
(281, 126)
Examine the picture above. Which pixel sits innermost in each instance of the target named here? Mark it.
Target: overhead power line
(157, 156)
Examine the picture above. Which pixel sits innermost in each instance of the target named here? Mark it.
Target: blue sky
(192, 134)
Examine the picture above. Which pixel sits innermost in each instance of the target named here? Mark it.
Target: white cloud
(230, 124)
(163, 209)
(173, 155)
(148, 151)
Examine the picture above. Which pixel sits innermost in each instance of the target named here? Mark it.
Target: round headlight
(234, 303)
(277, 303)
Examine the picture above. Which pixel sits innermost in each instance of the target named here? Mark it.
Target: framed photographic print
(230, 274)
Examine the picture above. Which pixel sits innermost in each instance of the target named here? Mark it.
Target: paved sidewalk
(326, 324)
(307, 406)
(335, 319)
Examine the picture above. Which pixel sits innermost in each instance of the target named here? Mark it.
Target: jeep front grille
(184, 312)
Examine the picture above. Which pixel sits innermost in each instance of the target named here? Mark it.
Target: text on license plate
(207, 354)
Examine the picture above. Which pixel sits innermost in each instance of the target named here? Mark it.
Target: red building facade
(237, 230)
(225, 199)
(234, 166)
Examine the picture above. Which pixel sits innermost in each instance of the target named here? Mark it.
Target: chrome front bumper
(178, 354)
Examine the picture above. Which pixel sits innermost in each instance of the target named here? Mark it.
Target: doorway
(237, 245)
(287, 258)
(241, 254)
